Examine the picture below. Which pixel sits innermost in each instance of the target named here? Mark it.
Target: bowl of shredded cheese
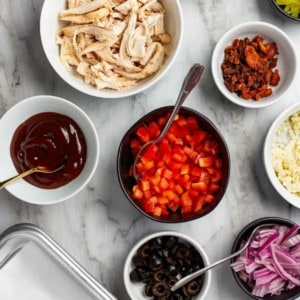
(111, 48)
(282, 154)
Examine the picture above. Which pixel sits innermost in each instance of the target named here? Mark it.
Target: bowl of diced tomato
(181, 178)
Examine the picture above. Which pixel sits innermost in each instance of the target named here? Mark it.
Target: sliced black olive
(138, 261)
(159, 275)
(171, 281)
(144, 251)
(135, 276)
(148, 289)
(172, 270)
(186, 270)
(161, 289)
(154, 261)
(176, 296)
(193, 288)
(155, 244)
(171, 260)
(145, 275)
(170, 241)
(182, 252)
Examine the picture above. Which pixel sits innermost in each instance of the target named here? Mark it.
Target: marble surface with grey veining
(99, 226)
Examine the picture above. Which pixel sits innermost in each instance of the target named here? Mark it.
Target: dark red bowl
(125, 160)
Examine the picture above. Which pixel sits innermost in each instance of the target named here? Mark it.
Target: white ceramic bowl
(135, 290)
(21, 112)
(267, 157)
(286, 64)
(50, 25)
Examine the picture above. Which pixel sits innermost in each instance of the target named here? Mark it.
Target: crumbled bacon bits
(248, 68)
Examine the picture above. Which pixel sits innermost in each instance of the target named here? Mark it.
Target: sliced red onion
(271, 262)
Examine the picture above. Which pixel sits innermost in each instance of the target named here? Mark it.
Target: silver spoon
(189, 83)
(183, 281)
(38, 169)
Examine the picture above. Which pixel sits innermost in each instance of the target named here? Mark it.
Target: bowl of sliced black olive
(158, 261)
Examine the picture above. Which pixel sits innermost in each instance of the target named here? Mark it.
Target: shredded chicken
(113, 44)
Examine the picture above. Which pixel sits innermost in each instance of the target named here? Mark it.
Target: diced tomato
(173, 165)
(196, 171)
(155, 179)
(192, 123)
(163, 200)
(135, 146)
(182, 122)
(193, 193)
(185, 169)
(143, 134)
(217, 175)
(218, 163)
(173, 206)
(200, 186)
(167, 173)
(186, 209)
(163, 184)
(165, 147)
(149, 153)
(209, 198)
(213, 187)
(182, 172)
(198, 204)
(154, 130)
(157, 211)
(199, 136)
(186, 200)
(145, 184)
(171, 137)
(137, 193)
(179, 189)
(205, 162)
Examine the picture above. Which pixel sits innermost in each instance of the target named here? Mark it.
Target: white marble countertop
(99, 225)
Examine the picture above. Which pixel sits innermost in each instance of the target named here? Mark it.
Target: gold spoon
(38, 169)
(189, 83)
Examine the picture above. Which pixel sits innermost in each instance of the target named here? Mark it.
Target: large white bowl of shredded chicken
(282, 154)
(111, 48)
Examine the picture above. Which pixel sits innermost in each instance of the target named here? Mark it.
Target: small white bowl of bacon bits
(281, 154)
(254, 64)
(111, 49)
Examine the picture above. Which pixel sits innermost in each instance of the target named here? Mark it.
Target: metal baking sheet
(27, 237)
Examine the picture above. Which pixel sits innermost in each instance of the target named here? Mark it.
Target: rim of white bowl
(10, 188)
(114, 94)
(188, 239)
(219, 50)
(267, 157)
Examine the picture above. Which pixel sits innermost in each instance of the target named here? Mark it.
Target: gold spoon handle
(16, 177)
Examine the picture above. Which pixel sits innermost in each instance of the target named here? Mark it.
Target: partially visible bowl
(267, 156)
(50, 25)
(135, 290)
(243, 235)
(126, 158)
(286, 64)
(21, 112)
(280, 10)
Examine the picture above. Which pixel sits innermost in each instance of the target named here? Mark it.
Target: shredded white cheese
(286, 154)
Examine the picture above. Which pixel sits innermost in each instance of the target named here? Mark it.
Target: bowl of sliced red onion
(269, 268)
